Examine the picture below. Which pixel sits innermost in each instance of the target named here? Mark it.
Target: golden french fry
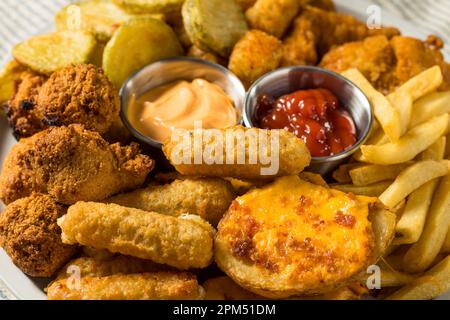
(446, 246)
(373, 190)
(410, 145)
(383, 226)
(373, 173)
(424, 83)
(342, 175)
(431, 285)
(436, 151)
(389, 277)
(430, 106)
(313, 178)
(447, 147)
(377, 138)
(422, 254)
(411, 179)
(403, 102)
(386, 114)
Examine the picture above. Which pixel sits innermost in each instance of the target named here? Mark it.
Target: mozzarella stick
(144, 286)
(237, 152)
(208, 197)
(184, 242)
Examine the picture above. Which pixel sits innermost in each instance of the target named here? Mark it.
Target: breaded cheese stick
(143, 286)
(90, 267)
(184, 242)
(207, 197)
(237, 152)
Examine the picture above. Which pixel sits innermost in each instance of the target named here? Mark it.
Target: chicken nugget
(90, 267)
(237, 152)
(30, 236)
(71, 164)
(207, 197)
(184, 242)
(143, 286)
(256, 54)
(293, 238)
(272, 16)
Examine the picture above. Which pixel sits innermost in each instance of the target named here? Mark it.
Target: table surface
(21, 19)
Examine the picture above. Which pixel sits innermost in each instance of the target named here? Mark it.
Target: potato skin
(305, 242)
(256, 54)
(272, 16)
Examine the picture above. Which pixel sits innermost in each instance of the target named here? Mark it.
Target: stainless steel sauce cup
(174, 69)
(287, 80)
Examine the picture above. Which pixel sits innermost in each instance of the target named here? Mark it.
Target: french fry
(446, 246)
(389, 277)
(421, 254)
(410, 145)
(373, 190)
(377, 138)
(411, 179)
(342, 175)
(372, 173)
(314, 178)
(447, 147)
(386, 114)
(403, 102)
(383, 226)
(430, 106)
(424, 83)
(431, 285)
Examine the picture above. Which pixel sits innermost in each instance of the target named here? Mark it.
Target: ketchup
(313, 115)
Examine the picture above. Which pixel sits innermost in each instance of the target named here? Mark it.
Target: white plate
(24, 287)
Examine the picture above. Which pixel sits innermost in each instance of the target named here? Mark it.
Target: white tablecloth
(19, 19)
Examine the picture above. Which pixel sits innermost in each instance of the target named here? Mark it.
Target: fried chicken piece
(184, 242)
(207, 197)
(143, 286)
(256, 54)
(386, 63)
(71, 164)
(19, 109)
(30, 236)
(79, 94)
(316, 31)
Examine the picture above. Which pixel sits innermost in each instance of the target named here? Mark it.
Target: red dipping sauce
(313, 115)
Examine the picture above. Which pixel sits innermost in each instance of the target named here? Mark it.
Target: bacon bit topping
(345, 220)
(242, 248)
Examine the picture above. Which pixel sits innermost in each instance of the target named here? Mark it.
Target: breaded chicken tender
(184, 242)
(30, 236)
(272, 16)
(316, 31)
(90, 267)
(207, 197)
(293, 238)
(79, 94)
(71, 164)
(143, 286)
(256, 54)
(237, 152)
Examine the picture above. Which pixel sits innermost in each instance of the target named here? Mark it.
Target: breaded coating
(207, 197)
(19, 110)
(388, 64)
(256, 54)
(30, 236)
(293, 238)
(250, 153)
(71, 164)
(223, 288)
(316, 31)
(196, 52)
(327, 5)
(118, 133)
(90, 267)
(143, 286)
(272, 16)
(184, 242)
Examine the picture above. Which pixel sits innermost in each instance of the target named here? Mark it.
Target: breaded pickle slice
(8, 76)
(149, 6)
(49, 52)
(214, 25)
(100, 17)
(137, 43)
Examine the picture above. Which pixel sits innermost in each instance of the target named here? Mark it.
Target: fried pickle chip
(254, 55)
(149, 6)
(100, 17)
(49, 52)
(137, 43)
(214, 25)
(8, 77)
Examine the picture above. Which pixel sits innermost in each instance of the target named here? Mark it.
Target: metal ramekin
(173, 69)
(287, 80)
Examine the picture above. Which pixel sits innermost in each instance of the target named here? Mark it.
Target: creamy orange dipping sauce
(178, 105)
